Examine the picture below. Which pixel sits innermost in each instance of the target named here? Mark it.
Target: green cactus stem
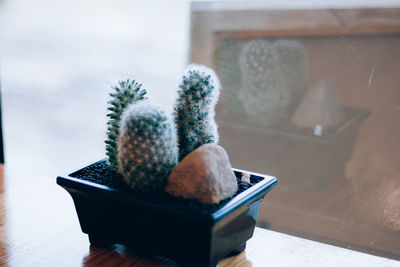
(195, 109)
(125, 93)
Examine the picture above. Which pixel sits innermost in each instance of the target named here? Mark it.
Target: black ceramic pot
(190, 233)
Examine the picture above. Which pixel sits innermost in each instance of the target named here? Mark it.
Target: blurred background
(59, 60)
(339, 172)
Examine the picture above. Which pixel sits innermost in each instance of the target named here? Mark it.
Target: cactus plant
(147, 147)
(265, 80)
(125, 93)
(195, 109)
(226, 61)
(265, 98)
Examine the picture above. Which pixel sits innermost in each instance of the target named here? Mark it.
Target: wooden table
(39, 227)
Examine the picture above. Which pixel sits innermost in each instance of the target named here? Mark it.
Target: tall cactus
(125, 93)
(147, 148)
(195, 109)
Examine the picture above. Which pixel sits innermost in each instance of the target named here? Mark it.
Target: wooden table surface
(39, 227)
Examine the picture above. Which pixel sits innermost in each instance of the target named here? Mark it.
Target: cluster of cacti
(195, 109)
(147, 148)
(125, 93)
(226, 60)
(142, 141)
(272, 77)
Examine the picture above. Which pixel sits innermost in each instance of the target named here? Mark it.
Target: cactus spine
(147, 148)
(195, 109)
(127, 92)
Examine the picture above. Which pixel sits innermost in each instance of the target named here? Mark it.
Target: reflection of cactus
(125, 93)
(194, 109)
(274, 76)
(226, 60)
(147, 149)
(264, 95)
(294, 66)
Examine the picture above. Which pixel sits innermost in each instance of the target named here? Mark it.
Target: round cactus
(127, 92)
(147, 148)
(265, 98)
(195, 109)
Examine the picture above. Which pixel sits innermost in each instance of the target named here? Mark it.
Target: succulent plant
(147, 147)
(226, 61)
(195, 109)
(125, 93)
(265, 97)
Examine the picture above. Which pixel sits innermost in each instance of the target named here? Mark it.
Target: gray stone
(205, 175)
(320, 106)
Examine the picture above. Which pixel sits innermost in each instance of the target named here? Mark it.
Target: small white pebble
(318, 130)
(246, 177)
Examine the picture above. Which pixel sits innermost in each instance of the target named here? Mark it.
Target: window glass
(311, 95)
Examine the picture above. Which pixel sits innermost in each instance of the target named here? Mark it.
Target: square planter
(190, 233)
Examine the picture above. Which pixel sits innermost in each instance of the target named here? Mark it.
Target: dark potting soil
(102, 173)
